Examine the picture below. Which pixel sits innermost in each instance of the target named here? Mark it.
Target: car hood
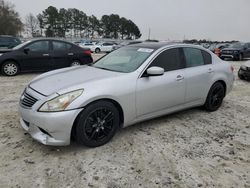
(3, 50)
(56, 81)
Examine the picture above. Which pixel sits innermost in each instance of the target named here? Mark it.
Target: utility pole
(149, 33)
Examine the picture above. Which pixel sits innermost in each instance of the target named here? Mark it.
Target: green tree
(10, 21)
(50, 18)
(93, 25)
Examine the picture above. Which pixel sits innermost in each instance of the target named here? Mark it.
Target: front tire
(240, 76)
(97, 124)
(75, 63)
(215, 97)
(10, 68)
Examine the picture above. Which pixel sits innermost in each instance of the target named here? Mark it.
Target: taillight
(232, 68)
(87, 52)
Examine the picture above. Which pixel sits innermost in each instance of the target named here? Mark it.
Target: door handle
(179, 78)
(70, 54)
(210, 70)
(45, 55)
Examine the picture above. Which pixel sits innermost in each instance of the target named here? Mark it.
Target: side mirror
(155, 71)
(26, 50)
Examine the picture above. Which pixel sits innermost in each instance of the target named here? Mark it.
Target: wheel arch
(114, 102)
(11, 59)
(223, 83)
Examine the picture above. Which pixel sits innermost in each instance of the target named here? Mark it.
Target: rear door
(199, 71)
(37, 57)
(61, 54)
(158, 93)
(107, 47)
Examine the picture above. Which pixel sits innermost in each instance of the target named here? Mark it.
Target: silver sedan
(130, 85)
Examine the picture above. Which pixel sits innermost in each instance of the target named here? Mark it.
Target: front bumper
(244, 73)
(228, 56)
(52, 128)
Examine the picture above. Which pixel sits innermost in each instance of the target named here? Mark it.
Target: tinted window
(169, 60)
(194, 57)
(61, 46)
(39, 46)
(248, 45)
(107, 44)
(207, 57)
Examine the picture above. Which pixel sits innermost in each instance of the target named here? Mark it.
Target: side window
(194, 57)
(248, 45)
(206, 57)
(40, 46)
(107, 44)
(61, 46)
(169, 60)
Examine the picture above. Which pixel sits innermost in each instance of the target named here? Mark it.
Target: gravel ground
(192, 148)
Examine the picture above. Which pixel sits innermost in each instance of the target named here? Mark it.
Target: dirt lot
(192, 148)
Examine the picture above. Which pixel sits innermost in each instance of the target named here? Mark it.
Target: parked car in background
(216, 48)
(130, 85)
(126, 43)
(42, 55)
(236, 51)
(244, 71)
(100, 47)
(8, 42)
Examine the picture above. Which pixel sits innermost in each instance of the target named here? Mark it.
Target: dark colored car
(236, 51)
(8, 42)
(244, 72)
(42, 55)
(126, 43)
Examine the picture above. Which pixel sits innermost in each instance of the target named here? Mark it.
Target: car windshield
(21, 45)
(126, 59)
(236, 45)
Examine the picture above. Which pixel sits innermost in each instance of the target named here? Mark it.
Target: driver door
(157, 93)
(36, 56)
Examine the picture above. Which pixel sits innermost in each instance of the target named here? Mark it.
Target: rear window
(196, 57)
(207, 57)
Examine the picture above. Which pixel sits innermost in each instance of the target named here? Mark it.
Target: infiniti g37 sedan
(132, 84)
(42, 55)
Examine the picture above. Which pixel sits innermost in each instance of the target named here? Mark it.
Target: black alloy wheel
(215, 97)
(97, 124)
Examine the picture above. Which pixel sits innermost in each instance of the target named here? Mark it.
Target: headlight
(243, 67)
(1, 54)
(61, 102)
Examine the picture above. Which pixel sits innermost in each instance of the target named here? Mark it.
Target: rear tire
(215, 97)
(97, 124)
(97, 50)
(10, 68)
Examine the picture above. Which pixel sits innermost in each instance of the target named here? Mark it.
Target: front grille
(27, 100)
(227, 52)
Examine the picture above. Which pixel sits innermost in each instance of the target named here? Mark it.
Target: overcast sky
(168, 19)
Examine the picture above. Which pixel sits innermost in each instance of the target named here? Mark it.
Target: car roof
(7, 36)
(153, 45)
(54, 39)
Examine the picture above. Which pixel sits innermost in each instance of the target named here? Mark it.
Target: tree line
(10, 22)
(53, 22)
